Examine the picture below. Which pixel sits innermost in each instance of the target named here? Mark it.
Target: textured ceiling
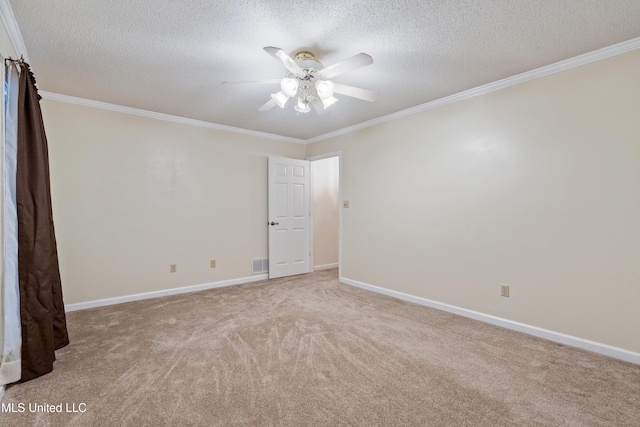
(171, 56)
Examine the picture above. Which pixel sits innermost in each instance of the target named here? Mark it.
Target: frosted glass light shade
(302, 107)
(280, 99)
(328, 102)
(325, 88)
(289, 86)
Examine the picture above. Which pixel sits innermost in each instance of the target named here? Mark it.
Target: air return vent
(260, 265)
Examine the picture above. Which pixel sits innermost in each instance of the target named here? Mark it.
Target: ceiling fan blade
(356, 92)
(259, 82)
(289, 63)
(356, 61)
(267, 105)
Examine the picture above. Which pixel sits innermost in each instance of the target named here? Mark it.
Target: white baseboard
(325, 266)
(163, 293)
(558, 337)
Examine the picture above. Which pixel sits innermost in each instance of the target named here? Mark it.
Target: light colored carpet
(308, 350)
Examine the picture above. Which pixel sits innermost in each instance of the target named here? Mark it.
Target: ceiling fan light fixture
(328, 102)
(302, 107)
(325, 89)
(289, 86)
(280, 99)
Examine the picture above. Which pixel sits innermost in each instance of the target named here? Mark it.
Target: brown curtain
(42, 316)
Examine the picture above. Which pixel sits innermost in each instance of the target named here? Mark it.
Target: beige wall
(326, 195)
(132, 195)
(536, 186)
(6, 45)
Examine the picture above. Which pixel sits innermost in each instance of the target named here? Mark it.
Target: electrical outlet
(345, 204)
(504, 290)
(173, 268)
(213, 263)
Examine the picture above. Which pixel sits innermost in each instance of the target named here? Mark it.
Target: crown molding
(576, 61)
(166, 117)
(11, 25)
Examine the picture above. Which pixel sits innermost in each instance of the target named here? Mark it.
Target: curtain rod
(20, 61)
(20, 64)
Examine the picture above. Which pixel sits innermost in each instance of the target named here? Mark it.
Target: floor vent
(260, 266)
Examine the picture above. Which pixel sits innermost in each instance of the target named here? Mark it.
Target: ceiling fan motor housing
(306, 59)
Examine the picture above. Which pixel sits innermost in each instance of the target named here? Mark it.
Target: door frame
(337, 154)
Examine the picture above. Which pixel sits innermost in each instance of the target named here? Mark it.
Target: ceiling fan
(308, 81)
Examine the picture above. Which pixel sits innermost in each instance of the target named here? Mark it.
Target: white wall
(536, 186)
(132, 195)
(326, 196)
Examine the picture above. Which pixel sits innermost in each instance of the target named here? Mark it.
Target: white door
(289, 249)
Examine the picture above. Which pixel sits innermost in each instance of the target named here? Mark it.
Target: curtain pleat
(42, 313)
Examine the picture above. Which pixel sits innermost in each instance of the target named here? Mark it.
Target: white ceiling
(171, 56)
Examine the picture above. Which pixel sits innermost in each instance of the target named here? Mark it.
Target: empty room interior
(326, 213)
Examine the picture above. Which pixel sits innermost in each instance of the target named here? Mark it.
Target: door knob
(275, 223)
